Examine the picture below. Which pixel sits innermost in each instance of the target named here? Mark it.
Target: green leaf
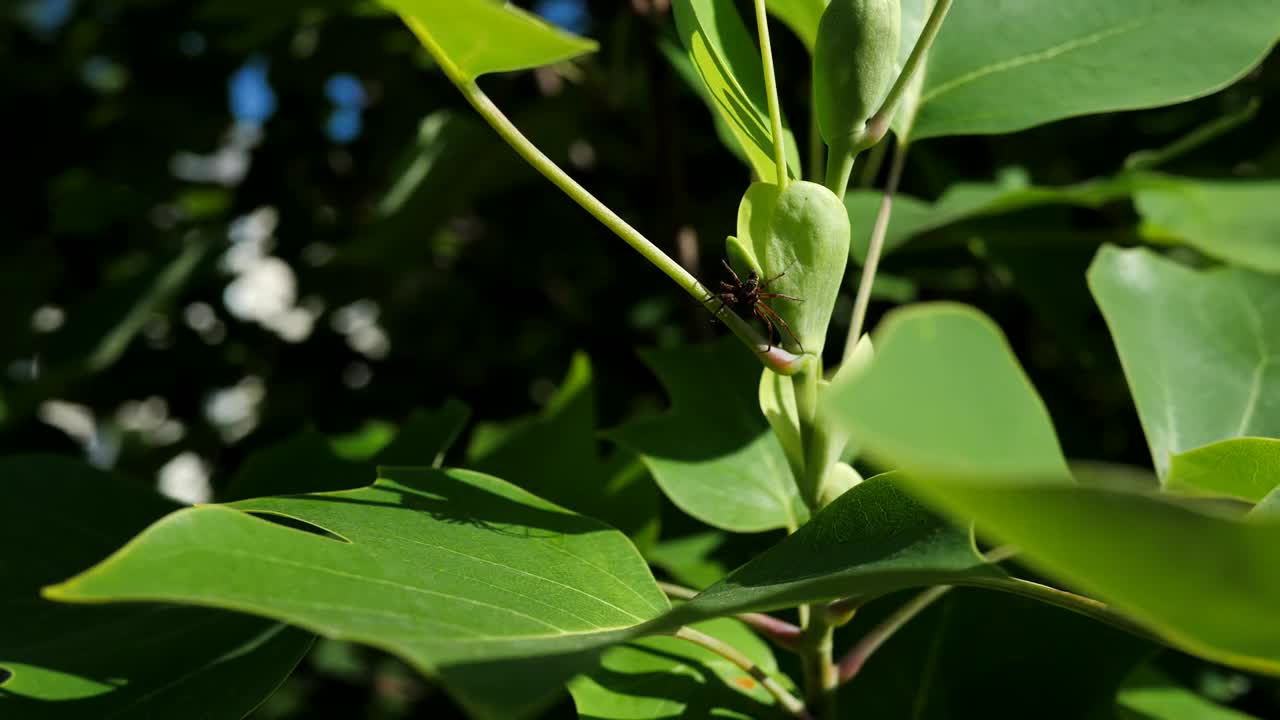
(427, 435)
(1196, 346)
(728, 62)
(1052, 60)
(1237, 221)
(664, 677)
(501, 595)
(712, 452)
(556, 456)
(981, 654)
(802, 16)
(1245, 468)
(1151, 695)
(689, 559)
(476, 37)
(872, 540)
(136, 662)
(1158, 560)
(971, 200)
(945, 392)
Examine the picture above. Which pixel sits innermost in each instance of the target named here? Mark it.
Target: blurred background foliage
(228, 222)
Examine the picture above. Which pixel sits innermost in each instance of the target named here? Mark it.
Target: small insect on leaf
(746, 298)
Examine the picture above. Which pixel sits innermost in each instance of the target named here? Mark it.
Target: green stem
(775, 358)
(1148, 159)
(840, 162)
(771, 89)
(813, 437)
(820, 677)
(871, 168)
(1077, 603)
(790, 703)
(874, 249)
(879, 123)
(857, 656)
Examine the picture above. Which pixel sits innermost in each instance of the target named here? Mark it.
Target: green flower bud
(854, 64)
(800, 238)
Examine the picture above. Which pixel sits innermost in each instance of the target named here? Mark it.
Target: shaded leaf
(802, 16)
(689, 559)
(1196, 346)
(556, 456)
(1152, 695)
(500, 594)
(1237, 221)
(664, 677)
(1245, 468)
(712, 452)
(483, 36)
(138, 662)
(727, 60)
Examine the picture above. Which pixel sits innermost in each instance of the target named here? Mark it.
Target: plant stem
(871, 168)
(813, 435)
(820, 678)
(790, 703)
(775, 358)
(771, 89)
(1148, 159)
(879, 123)
(779, 631)
(874, 250)
(857, 656)
(1068, 600)
(840, 160)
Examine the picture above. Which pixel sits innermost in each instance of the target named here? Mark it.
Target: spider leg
(767, 322)
(766, 283)
(764, 296)
(765, 308)
(731, 272)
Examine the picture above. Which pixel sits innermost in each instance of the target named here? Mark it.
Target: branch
(781, 632)
(874, 249)
(790, 703)
(857, 656)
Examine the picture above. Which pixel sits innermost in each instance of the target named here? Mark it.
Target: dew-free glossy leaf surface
(712, 452)
(556, 456)
(664, 677)
(1005, 65)
(802, 16)
(1161, 561)
(1237, 221)
(1200, 349)
(484, 36)
(1245, 468)
(58, 516)
(500, 594)
(873, 539)
(945, 392)
(727, 59)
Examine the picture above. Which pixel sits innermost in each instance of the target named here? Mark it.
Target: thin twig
(874, 250)
(857, 656)
(878, 125)
(1086, 606)
(781, 632)
(790, 703)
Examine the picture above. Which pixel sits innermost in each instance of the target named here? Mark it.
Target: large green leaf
(1234, 220)
(556, 456)
(872, 540)
(712, 452)
(945, 392)
(1003, 66)
(728, 62)
(981, 654)
(1205, 582)
(500, 594)
(1245, 468)
(1199, 348)
(485, 36)
(663, 677)
(57, 516)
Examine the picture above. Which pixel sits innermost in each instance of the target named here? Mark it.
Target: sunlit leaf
(1233, 220)
(1245, 468)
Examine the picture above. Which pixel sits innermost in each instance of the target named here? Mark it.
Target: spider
(748, 297)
